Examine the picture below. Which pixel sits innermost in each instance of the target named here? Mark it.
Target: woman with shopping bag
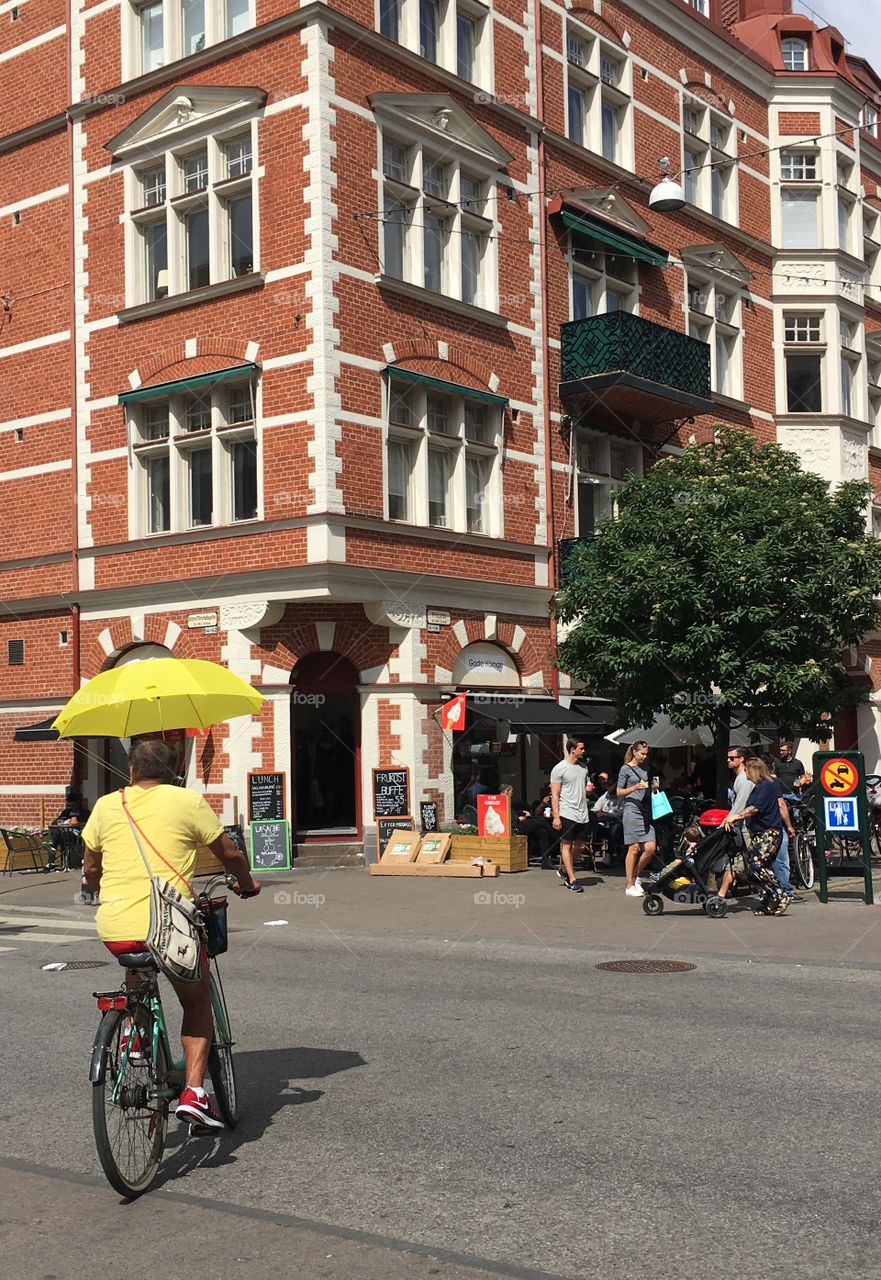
(639, 834)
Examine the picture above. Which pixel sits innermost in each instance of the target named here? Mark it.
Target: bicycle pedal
(201, 1131)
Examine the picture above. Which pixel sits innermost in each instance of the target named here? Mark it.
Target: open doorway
(325, 740)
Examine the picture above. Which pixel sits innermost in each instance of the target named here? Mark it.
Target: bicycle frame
(149, 999)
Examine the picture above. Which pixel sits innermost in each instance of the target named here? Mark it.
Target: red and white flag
(453, 714)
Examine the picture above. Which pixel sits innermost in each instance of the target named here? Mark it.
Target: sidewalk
(529, 908)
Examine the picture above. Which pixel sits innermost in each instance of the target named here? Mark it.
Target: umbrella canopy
(662, 733)
(156, 694)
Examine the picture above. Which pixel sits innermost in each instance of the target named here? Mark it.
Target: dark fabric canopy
(541, 715)
(42, 731)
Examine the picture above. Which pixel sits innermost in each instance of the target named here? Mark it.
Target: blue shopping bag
(661, 806)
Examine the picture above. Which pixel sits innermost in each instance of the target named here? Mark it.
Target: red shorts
(125, 948)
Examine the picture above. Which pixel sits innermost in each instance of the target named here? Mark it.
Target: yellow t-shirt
(173, 819)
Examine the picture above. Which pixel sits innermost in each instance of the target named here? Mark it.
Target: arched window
(795, 54)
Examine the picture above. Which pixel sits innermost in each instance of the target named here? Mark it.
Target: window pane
(586, 512)
(844, 226)
(158, 495)
(396, 219)
(241, 242)
(156, 259)
(401, 407)
(472, 251)
(798, 166)
(582, 298)
(799, 220)
(690, 176)
(151, 36)
(197, 414)
(194, 25)
(398, 480)
(153, 186)
(390, 18)
(717, 192)
(195, 170)
(478, 424)
(154, 422)
(428, 27)
(434, 239)
(466, 39)
(239, 406)
(394, 161)
(238, 17)
(847, 379)
(438, 486)
(803, 386)
(438, 413)
(435, 180)
(244, 480)
(476, 479)
(577, 112)
(795, 55)
(198, 266)
(201, 504)
(610, 131)
(724, 348)
(238, 156)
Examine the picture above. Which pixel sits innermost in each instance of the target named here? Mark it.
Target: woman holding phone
(639, 835)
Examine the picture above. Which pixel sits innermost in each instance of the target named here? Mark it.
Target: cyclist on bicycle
(177, 821)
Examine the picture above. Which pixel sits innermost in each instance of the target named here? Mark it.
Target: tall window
(443, 460)
(429, 23)
(437, 223)
(800, 219)
(804, 351)
(601, 281)
(708, 174)
(869, 119)
(598, 104)
(159, 32)
(851, 362)
(602, 467)
(795, 54)
(196, 459)
(454, 34)
(390, 18)
(192, 218)
(714, 317)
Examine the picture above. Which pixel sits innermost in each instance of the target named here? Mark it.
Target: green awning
(615, 238)
(197, 383)
(451, 388)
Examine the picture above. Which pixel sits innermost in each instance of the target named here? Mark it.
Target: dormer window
(795, 54)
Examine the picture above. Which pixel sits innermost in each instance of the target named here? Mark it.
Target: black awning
(42, 731)
(540, 715)
(597, 712)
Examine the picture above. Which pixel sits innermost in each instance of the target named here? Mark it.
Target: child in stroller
(684, 879)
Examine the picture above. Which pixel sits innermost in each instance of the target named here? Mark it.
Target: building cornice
(33, 133)
(707, 41)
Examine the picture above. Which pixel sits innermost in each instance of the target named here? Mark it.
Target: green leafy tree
(730, 582)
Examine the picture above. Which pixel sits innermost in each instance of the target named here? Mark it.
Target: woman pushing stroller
(765, 815)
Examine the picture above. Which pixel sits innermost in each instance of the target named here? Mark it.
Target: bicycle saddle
(136, 960)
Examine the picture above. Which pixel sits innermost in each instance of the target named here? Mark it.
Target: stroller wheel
(716, 907)
(652, 905)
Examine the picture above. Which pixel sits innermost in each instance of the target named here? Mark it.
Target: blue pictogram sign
(841, 815)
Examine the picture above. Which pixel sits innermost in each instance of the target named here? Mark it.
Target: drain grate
(84, 964)
(646, 966)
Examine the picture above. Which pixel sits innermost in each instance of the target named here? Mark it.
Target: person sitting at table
(64, 830)
(608, 813)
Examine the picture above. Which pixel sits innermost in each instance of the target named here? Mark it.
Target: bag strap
(136, 832)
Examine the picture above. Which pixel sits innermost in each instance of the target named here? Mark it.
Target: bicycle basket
(216, 932)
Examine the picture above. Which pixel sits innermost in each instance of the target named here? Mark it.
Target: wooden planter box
(509, 852)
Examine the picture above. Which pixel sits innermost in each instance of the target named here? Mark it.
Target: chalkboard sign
(391, 792)
(237, 835)
(428, 810)
(386, 826)
(265, 796)
(270, 846)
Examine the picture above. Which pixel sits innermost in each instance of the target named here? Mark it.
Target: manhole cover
(646, 966)
(83, 964)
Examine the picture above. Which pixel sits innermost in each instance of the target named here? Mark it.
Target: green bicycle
(134, 1075)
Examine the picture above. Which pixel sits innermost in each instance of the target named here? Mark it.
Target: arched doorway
(325, 740)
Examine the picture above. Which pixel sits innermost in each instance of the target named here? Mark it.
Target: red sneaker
(196, 1110)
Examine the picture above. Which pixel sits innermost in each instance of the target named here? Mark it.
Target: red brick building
(312, 330)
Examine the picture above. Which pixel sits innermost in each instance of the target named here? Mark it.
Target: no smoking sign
(839, 777)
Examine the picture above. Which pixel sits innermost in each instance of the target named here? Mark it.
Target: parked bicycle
(803, 845)
(134, 1074)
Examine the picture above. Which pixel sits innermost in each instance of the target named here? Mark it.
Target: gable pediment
(716, 258)
(187, 109)
(435, 116)
(610, 205)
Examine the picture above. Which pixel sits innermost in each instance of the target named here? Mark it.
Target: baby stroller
(684, 879)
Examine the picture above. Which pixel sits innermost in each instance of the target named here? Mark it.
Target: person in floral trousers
(765, 816)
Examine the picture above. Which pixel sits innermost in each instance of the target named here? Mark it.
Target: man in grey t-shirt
(569, 807)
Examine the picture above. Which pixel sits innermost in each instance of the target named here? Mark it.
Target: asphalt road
(435, 1086)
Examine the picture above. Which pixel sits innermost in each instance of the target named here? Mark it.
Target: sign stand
(842, 810)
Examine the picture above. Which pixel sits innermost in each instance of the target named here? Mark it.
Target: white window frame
(594, 452)
(853, 380)
(715, 316)
(709, 169)
(602, 73)
(804, 333)
(447, 48)
(217, 198)
(217, 27)
(789, 47)
(457, 215)
(220, 436)
(613, 285)
(425, 433)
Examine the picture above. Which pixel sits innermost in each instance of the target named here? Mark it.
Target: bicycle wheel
(805, 847)
(220, 1060)
(129, 1113)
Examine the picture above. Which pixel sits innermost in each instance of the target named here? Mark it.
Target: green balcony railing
(622, 343)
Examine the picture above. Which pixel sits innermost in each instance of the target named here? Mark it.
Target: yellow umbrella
(156, 694)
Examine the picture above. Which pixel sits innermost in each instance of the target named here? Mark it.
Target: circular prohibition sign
(839, 777)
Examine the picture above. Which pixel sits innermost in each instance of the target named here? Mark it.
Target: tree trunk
(721, 745)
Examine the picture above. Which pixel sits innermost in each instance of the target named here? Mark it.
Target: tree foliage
(731, 579)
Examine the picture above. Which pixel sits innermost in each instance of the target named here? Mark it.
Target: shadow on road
(267, 1082)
